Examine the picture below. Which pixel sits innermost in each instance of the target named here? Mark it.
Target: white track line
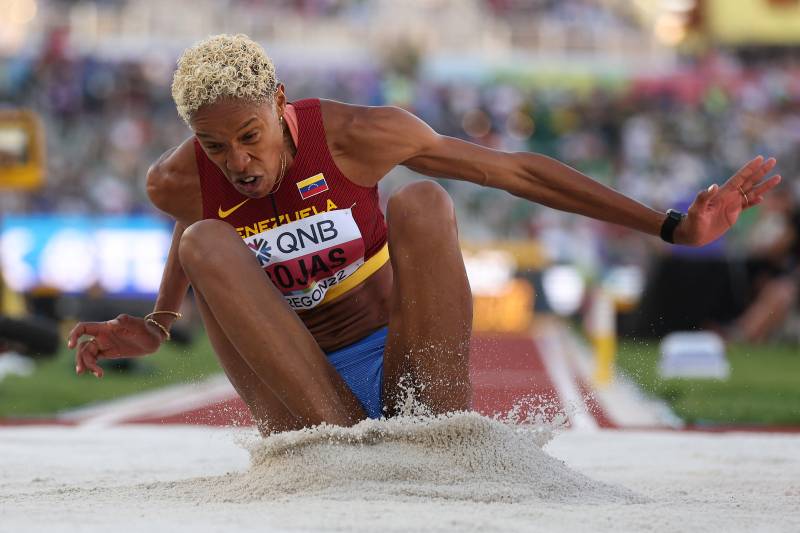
(622, 400)
(554, 357)
(159, 403)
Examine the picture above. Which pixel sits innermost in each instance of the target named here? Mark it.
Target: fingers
(756, 194)
(753, 172)
(86, 358)
(762, 171)
(747, 171)
(90, 350)
(705, 196)
(763, 188)
(75, 334)
(82, 328)
(747, 181)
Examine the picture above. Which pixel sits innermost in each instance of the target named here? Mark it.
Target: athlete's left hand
(716, 209)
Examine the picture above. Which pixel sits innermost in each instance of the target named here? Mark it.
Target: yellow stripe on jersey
(366, 270)
(309, 181)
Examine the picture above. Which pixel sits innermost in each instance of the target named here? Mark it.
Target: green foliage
(763, 388)
(54, 386)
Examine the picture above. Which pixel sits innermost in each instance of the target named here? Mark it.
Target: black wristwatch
(670, 223)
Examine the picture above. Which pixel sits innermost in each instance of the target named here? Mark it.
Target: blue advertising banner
(120, 255)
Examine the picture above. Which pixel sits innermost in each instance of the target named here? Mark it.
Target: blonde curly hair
(232, 66)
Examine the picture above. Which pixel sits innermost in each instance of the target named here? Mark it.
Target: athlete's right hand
(125, 336)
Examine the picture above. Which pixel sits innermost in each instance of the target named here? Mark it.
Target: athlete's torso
(320, 237)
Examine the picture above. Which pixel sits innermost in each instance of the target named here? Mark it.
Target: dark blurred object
(688, 293)
(43, 303)
(747, 299)
(35, 337)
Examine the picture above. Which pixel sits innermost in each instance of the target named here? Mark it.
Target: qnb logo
(262, 249)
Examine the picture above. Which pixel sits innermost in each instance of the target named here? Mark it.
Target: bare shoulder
(367, 142)
(348, 122)
(173, 183)
(342, 114)
(341, 123)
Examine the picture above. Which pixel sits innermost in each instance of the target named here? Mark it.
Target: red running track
(505, 368)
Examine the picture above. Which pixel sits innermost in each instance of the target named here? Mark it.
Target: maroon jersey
(317, 236)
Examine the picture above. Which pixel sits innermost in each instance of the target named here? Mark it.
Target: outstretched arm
(170, 186)
(395, 135)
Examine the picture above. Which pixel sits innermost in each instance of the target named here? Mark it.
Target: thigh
(431, 309)
(251, 314)
(269, 413)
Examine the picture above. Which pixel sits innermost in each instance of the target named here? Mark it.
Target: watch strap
(670, 223)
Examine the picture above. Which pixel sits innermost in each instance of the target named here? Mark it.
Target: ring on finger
(746, 199)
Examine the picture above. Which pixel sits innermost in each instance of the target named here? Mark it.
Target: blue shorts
(361, 366)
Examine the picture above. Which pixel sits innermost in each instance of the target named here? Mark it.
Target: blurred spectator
(773, 268)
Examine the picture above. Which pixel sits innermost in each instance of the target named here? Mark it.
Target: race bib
(307, 257)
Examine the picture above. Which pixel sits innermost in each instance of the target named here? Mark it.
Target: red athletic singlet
(319, 235)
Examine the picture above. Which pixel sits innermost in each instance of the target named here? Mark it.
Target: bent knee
(422, 204)
(199, 240)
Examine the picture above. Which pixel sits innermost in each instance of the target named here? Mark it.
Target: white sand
(457, 474)
(464, 457)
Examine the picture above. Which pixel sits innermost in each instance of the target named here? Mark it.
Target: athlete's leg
(261, 327)
(431, 315)
(268, 411)
(769, 310)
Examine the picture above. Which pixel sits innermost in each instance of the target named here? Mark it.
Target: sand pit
(463, 473)
(463, 457)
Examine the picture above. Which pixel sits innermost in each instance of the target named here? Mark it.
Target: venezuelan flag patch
(311, 186)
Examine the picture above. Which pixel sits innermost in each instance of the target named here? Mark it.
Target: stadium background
(657, 98)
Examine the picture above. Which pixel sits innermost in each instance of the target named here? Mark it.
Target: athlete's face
(245, 140)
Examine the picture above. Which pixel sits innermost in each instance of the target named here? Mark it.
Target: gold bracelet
(160, 326)
(176, 314)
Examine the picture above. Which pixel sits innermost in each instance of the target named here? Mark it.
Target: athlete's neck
(290, 129)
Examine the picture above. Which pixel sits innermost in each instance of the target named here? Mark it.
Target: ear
(280, 100)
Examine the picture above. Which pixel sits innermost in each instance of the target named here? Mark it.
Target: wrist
(671, 227)
(164, 323)
(681, 235)
(160, 329)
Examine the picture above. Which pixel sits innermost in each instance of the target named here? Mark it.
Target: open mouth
(248, 184)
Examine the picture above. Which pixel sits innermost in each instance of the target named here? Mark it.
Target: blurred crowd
(568, 10)
(658, 140)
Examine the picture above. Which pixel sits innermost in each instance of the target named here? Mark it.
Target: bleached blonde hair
(222, 66)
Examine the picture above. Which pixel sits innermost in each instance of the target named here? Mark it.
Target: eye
(250, 136)
(213, 147)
